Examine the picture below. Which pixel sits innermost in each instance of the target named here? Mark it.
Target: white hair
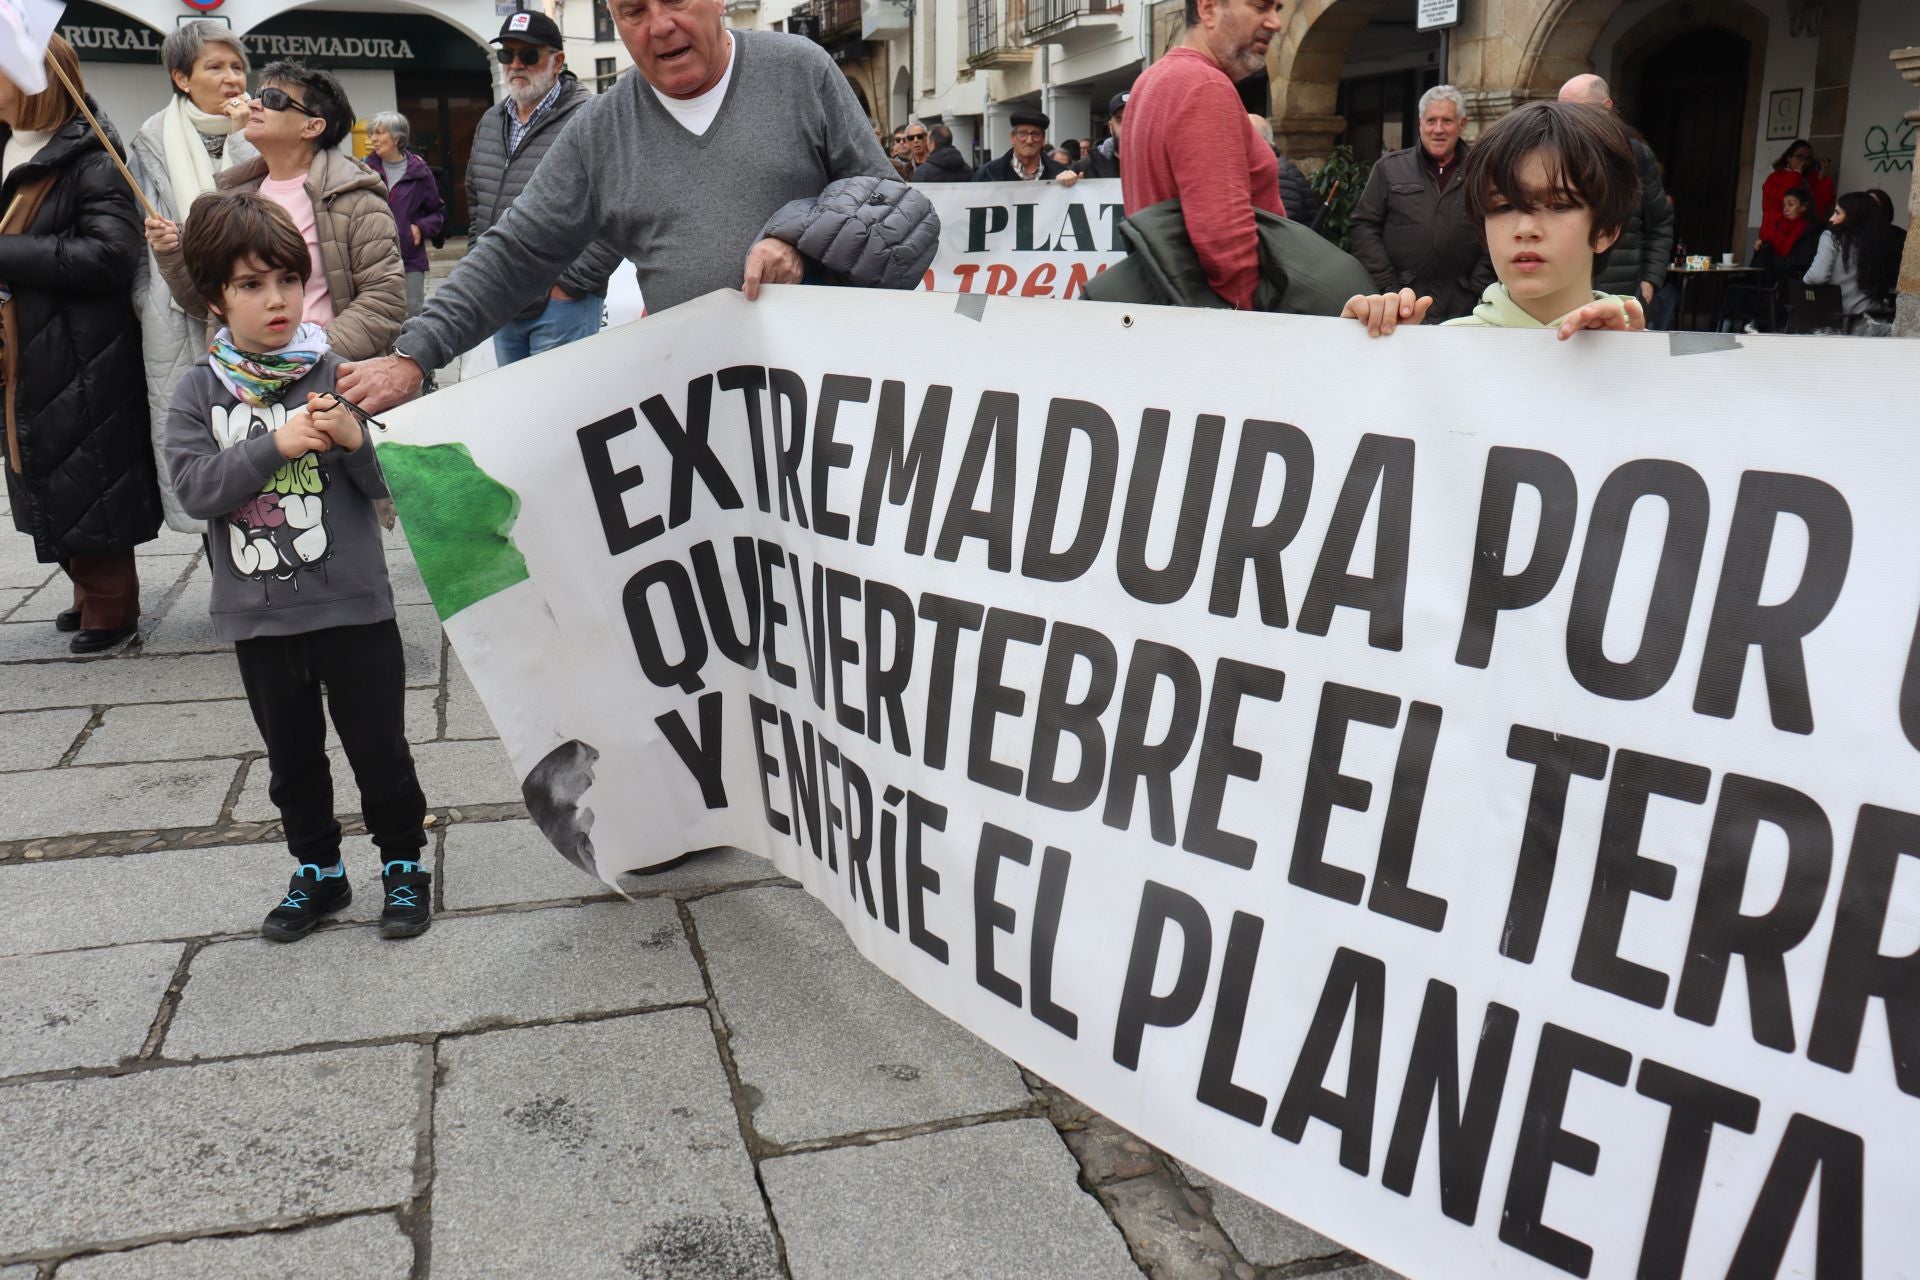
(1263, 125)
(1449, 94)
(393, 124)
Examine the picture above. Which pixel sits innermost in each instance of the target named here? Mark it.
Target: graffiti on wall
(1890, 150)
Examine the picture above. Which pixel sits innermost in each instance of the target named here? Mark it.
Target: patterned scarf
(261, 379)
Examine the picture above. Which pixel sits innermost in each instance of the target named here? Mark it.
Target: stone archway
(1303, 70)
(1663, 24)
(1560, 45)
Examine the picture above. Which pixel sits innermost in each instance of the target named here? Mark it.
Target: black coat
(1297, 194)
(1410, 234)
(946, 164)
(1645, 248)
(1000, 169)
(80, 407)
(1102, 162)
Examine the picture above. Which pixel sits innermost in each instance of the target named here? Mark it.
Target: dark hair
(1072, 147)
(223, 227)
(939, 135)
(1792, 147)
(1803, 194)
(1882, 199)
(1865, 241)
(320, 93)
(1586, 151)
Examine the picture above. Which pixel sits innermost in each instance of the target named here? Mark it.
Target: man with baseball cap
(1027, 160)
(1104, 160)
(514, 135)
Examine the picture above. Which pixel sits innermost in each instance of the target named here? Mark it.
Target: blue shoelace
(297, 898)
(401, 895)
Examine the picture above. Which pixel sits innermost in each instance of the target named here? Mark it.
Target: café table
(1727, 274)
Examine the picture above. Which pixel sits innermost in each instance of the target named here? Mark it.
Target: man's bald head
(1588, 88)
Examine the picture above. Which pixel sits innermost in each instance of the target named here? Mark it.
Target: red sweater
(1187, 136)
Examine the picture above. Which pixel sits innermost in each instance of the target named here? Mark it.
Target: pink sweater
(1187, 135)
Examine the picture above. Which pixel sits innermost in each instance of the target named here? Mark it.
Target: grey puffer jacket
(496, 179)
(172, 340)
(873, 233)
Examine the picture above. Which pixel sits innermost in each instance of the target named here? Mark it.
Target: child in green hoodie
(1553, 185)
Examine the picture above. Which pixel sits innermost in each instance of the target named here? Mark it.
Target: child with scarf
(285, 477)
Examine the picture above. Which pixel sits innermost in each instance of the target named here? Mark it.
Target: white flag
(25, 28)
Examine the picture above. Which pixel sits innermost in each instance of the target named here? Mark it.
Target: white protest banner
(1459, 788)
(1024, 239)
(25, 28)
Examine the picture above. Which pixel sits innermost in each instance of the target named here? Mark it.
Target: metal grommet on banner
(1126, 322)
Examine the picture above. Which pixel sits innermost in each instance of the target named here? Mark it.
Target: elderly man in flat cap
(1027, 160)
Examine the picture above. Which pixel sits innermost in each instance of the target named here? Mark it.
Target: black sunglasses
(355, 409)
(274, 98)
(525, 55)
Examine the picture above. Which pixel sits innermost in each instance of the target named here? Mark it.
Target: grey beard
(535, 91)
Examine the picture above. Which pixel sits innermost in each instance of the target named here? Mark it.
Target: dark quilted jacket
(873, 233)
(1645, 246)
(1303, 203)
(87, 474)
(495, 180)
(1410, 234)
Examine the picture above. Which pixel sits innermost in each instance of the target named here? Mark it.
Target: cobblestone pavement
(706, 1082)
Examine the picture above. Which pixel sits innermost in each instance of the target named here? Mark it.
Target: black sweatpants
(365, 675)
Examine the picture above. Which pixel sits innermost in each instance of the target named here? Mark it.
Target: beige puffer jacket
(359, 248)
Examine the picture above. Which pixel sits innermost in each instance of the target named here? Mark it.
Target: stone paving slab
(37, 739)
(188, 626)
(196, 730)
(834, 1045)
(719, 868)
(451, 773)
(39, 642)
(81, 1009)
(223, 1146)
(466, 715)
(420, 640)
(404, 577)
(491, 864)
(999, 1200)
(601, 1149)
(171, 893)
(18, 568)
(19, 1273)
(1263, 1236)
(158, 573)
(119, 797)
(10, 598)
(370, 1248)
(464, 973)
(116, 681)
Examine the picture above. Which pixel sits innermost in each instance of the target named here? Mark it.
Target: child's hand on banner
(1605, 313)
(1381, 312)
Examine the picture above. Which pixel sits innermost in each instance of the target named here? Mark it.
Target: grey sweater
(295, 546)
(685, 209)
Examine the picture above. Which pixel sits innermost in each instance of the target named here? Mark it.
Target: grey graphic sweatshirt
(294, 546)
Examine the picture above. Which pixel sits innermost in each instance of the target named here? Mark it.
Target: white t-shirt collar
(696, 114)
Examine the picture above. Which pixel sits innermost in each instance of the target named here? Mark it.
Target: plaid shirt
(516, 131)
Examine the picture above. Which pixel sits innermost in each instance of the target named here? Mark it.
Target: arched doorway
(902, 97)
(1304, 65)
(1689, 96)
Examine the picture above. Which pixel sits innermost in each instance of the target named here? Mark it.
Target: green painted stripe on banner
(458, 521)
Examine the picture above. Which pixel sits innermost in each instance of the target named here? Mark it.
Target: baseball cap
(531, 26)
(1117, 103)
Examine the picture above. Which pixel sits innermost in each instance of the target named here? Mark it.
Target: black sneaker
(309, 896)
(408, 911)
(98, 639)
(67, 620)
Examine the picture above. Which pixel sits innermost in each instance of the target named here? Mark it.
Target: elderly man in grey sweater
(719, 165)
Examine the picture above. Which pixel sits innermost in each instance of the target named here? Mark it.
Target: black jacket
(946, 164)
(1645, 247)
(495, 180)
(1000, 169)
(1297, 194)
(1409, 233)
(87, 483)
(1102, 162)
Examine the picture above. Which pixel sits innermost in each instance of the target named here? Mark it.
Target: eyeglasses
(274, 98)
(1029, 135)
(916, 137)
(526, 55)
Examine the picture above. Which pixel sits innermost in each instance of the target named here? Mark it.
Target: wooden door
(443, 111)
(1692, 108)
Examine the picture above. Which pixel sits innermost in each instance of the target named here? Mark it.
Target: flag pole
(80, 100)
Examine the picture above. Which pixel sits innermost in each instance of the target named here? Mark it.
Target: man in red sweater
(1188, 137)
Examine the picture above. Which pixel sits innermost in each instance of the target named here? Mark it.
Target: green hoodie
(1498, 310)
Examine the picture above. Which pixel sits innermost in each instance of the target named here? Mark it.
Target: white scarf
(189, 168)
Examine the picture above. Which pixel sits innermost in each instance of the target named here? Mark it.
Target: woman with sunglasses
(78, 462)
(177, 154)
(357, 291)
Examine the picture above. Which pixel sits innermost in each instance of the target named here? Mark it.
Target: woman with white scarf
(176, 156)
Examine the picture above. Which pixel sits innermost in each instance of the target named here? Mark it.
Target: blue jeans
(561, 323)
